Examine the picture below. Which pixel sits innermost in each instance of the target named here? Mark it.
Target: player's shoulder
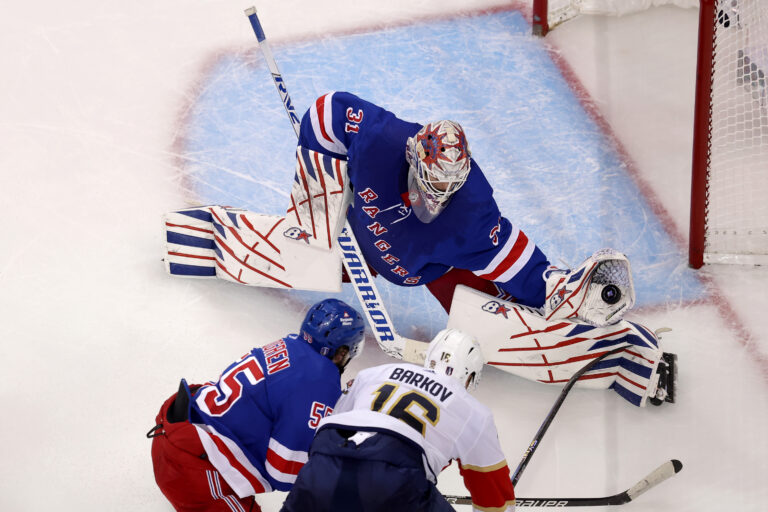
(472, 204)
(376, 371)
(480, 411)
(291, 358)
(363, 110)
(345, 100)
(476, 189)
(383, 372)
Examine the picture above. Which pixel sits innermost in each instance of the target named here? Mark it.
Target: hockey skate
(599, 292)
(667, 383)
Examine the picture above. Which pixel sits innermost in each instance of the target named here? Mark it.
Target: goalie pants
(382, 474)
(443, 287)
(184, 474)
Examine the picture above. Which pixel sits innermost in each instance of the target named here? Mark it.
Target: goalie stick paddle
(412, 351)
(658, 475)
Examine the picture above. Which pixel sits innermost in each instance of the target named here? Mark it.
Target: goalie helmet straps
(456, 354)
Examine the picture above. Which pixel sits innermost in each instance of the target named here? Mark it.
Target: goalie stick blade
(658, 475)
(414, 351)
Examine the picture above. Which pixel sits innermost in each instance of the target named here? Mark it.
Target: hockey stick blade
(666, 470)
(654, 478)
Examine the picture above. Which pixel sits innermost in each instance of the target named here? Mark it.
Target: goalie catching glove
(599, 292)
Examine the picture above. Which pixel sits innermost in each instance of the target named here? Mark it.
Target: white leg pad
(246, 248)
(521, 341)
(292, 251)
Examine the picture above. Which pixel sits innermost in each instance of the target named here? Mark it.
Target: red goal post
(729, 183)
(729, 179)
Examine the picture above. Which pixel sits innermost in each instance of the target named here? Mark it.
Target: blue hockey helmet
(335, 330)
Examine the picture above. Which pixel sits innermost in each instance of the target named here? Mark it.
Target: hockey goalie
(423, 213)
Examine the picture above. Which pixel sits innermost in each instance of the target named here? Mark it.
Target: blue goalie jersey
(469, 234)
(258, 420)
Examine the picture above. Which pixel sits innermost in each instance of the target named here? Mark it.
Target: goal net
(729, 195)
(547, 14)
(729, 199)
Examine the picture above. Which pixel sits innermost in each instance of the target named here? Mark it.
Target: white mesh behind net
(737, 195)
(559, 11)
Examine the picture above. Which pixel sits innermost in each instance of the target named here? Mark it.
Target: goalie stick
(657, 476)
(409, 350)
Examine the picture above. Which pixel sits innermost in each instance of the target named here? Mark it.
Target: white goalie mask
(456, 354)
(438, 156)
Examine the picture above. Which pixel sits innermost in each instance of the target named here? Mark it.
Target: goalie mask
(438, 156)
(335, 330)
(456, 354)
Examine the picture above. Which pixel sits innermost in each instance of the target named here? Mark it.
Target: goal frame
(702, 125)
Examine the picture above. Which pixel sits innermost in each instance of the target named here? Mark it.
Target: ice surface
(108, 120)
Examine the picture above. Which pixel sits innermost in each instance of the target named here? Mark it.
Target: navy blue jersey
(469, 234)
(258, 420)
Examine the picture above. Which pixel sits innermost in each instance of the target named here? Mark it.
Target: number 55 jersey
(436, 413)
(258, 420)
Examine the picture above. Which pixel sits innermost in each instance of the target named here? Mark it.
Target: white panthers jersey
(437, 413)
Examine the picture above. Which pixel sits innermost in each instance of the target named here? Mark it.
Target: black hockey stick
(658, 475)
(552, 412)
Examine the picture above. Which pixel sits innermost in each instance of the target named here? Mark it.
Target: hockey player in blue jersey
(217, 445)
(423, 212)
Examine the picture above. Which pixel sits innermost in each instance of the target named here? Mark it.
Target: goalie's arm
(492, 247)
(334, 120)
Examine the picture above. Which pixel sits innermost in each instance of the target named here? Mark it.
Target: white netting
(737, 195)
(559, 11)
